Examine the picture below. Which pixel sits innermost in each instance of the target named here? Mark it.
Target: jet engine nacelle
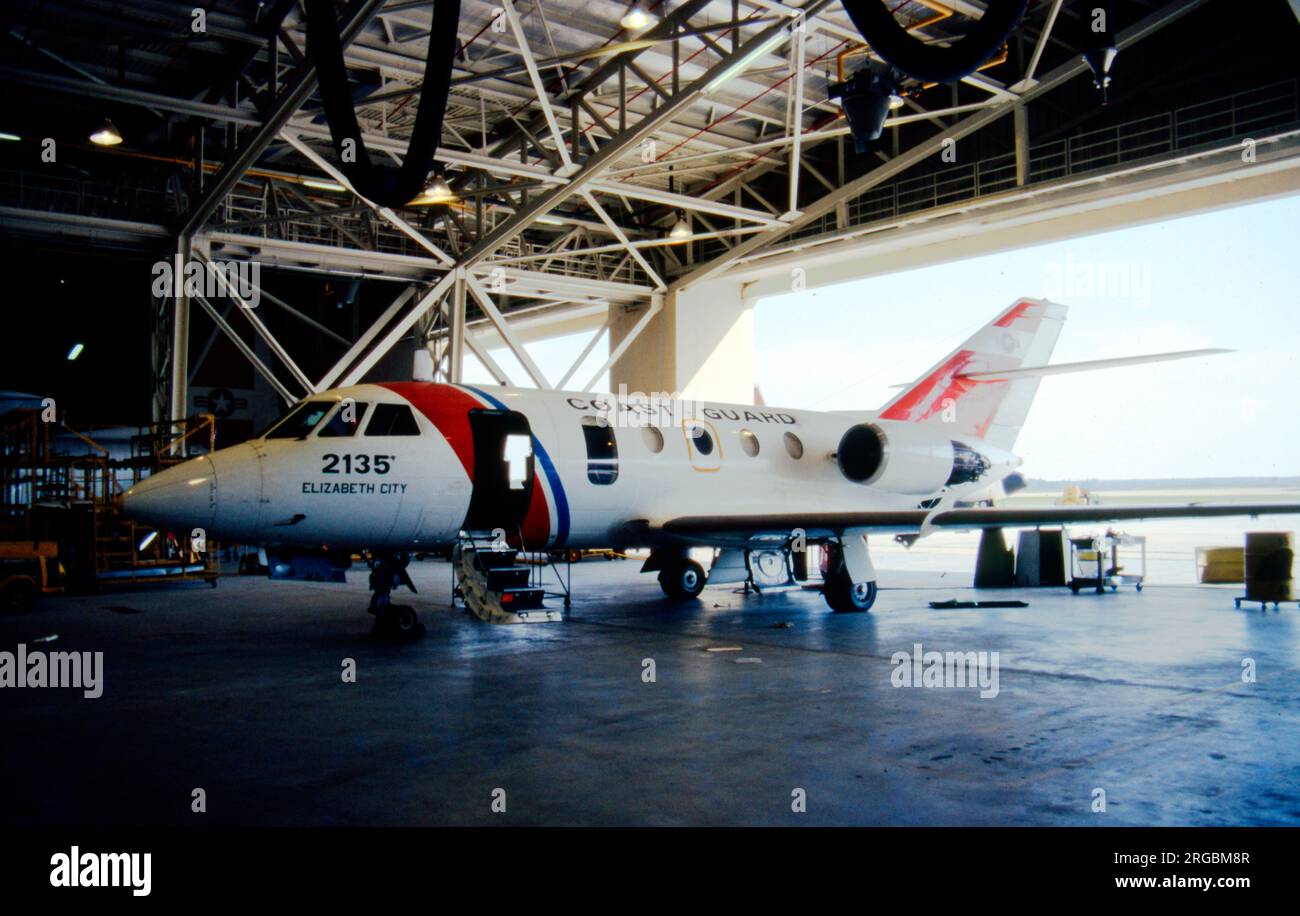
(912, 459)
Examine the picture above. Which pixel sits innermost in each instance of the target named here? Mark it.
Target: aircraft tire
(397, 622)
(682, 582)
(845, 596)
(406, 624)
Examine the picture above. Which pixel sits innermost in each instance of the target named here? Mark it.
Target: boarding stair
(497, 587)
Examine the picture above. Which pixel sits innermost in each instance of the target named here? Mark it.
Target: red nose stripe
(537, 523)
(447, 409)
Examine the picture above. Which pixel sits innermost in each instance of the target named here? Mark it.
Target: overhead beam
(426, 302)
(364, 340)
(827, 203)
(385, 212)
(304, 81)
(503, 328)
(615, 148)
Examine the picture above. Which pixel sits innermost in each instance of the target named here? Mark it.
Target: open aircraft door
(503, 471)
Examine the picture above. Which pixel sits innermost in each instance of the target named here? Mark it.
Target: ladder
(496, 587)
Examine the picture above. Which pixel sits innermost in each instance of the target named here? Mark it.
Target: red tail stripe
(1016, 311)
(920, 393)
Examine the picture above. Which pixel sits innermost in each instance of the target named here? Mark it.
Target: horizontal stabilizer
(1089, 365)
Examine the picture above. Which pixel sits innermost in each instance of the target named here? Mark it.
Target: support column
(179, 388)
(1020, 116)
(456, 363)
(700, 345)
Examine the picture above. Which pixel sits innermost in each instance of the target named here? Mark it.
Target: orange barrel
(1269, 555)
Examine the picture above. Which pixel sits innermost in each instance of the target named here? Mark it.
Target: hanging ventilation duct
(931, 63)
(386, 186)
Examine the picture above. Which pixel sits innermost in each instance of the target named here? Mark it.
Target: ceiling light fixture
(321, 184)
(106, 134)
(637, 18)
(681, 230)
(749, 59)
(436, 191)
(7, 136)
(867, 97)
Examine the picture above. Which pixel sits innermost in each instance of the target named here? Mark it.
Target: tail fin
(988, 409)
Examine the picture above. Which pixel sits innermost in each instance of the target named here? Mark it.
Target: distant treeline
(1178, 483)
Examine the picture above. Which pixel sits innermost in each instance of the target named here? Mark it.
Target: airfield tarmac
(238, 690)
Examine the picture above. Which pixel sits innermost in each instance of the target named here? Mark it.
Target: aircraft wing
(911, 520)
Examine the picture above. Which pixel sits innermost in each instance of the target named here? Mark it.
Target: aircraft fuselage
(564, 469)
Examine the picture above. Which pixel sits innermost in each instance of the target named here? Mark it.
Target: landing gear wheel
(682, 581)
(845, 596)
(397, 622)
(405, 622)
(392, 621)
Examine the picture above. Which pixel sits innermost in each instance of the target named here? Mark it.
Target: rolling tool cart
(1095, 562)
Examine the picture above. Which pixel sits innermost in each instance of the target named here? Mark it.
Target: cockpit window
(345, 422)
(392, 420)
(300, 421)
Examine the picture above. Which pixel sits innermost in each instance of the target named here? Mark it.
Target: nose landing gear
(392, 621)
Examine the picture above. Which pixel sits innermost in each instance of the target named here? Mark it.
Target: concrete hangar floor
(238, 690)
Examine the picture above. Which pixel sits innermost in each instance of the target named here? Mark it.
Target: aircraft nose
(177, 499)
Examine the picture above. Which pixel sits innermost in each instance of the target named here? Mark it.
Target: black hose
(931, 63)
(384, 185)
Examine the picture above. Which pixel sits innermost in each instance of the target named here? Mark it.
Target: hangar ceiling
(592, 164)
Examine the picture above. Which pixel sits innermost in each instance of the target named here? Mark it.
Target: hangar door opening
(503, 470)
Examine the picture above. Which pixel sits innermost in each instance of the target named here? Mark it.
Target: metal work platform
(58, 484)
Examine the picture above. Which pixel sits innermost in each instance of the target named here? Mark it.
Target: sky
(1229, 278)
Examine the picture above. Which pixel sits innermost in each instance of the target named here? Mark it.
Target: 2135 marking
(357, 464)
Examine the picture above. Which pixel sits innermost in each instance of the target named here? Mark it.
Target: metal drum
(1269, 555)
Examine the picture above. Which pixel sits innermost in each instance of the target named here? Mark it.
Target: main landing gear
(840, 591)
(392, 621)
(682, 579)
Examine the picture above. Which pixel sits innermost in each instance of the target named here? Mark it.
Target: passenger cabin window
(653, 438)
(345, 422)
(392, 420)
(602, 451)
(300, 421)
(701, 441)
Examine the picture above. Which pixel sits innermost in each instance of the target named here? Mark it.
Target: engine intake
(907, 458)
(861, 453)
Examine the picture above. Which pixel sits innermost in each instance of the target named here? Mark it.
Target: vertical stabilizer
(993, 410)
